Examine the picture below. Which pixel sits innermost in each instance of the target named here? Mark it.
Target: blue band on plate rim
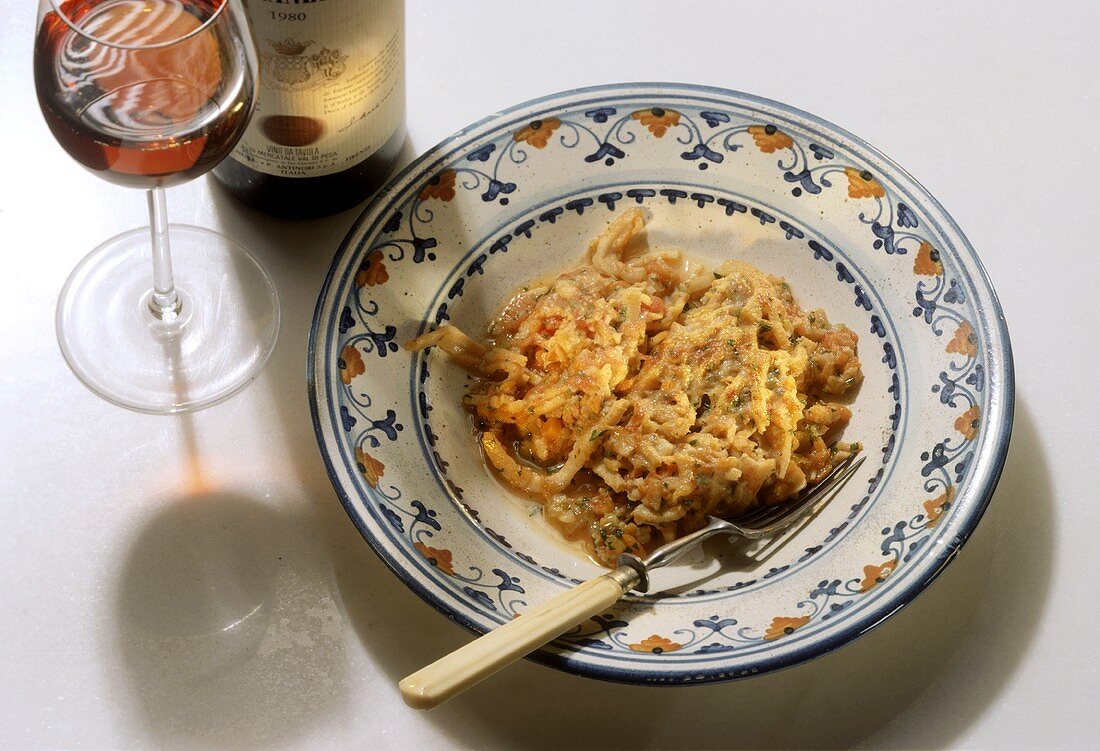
(985, 471)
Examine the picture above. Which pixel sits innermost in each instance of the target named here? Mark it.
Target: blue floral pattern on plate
(464, 225)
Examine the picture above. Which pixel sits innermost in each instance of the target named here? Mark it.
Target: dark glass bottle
(330, 117)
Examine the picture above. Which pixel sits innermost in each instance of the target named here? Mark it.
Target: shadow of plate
(956, 647)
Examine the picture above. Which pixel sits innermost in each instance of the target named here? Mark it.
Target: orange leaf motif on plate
(964, 342)
(440, 558)
(350, 364)
(928, 261)
(770, 139)
(442, 186)
(657, 119)
(875, 575)
(373, 271)
(968, 422)
(656, 644)
(537, 133)
(785, 626)
(371, 468)
(934, 507)
(862, 184)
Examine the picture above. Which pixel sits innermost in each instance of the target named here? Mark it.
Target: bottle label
(332, 84)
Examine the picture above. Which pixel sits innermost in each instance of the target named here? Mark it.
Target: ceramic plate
(723, 175)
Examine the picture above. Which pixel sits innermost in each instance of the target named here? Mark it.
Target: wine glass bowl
(143, 93)
(151, 94)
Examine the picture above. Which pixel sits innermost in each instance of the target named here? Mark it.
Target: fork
(468, 665)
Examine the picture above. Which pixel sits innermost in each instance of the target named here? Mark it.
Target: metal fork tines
(758, 523)
(770, 520)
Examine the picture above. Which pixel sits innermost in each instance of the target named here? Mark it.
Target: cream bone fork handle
(461, 669)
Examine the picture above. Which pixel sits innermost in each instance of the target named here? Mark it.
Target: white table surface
(256, 616)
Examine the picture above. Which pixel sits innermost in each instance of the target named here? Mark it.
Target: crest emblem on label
(288, 68)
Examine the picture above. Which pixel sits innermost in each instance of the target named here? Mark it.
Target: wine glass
(150, 94)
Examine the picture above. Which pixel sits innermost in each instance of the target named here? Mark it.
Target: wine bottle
(330, 115)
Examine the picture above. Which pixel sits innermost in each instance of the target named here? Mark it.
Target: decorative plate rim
(990, 454)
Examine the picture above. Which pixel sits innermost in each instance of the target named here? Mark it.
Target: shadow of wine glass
(917, 681)
(177, 373)
(225, 618)
(225, 624)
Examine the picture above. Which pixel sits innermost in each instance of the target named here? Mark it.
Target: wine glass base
(221, 339)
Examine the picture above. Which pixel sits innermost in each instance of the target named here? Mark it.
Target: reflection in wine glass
(150, 94)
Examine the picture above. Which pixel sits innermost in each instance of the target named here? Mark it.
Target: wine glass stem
(165, 302)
